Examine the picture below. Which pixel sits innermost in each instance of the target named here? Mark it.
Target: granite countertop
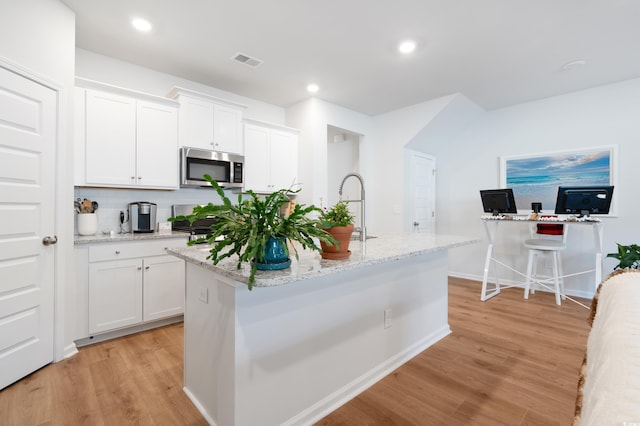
(385, 248)
(107, 238)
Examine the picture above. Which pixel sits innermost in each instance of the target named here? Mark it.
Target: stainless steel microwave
(225, 168)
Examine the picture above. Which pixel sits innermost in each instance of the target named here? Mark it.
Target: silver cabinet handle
(117, 251)
(49, 241)
(139, 268)
(146, 267)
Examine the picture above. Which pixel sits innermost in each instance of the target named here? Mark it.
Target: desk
(493, 223)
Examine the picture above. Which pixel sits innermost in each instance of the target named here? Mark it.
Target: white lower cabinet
(115, 294)
(132, 283)
(162, 287)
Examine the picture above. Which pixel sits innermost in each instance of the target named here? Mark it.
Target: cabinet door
(115, 294)
(283, 160)
(163, 287)
(196, 123)
(79, 135)
(110, 155)
(227, 129)
(256, 158)
(157, 146)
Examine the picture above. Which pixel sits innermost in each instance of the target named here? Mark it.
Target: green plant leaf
(628, 256)
(248, 224)
(338, 215)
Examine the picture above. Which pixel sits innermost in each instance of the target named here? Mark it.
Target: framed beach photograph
(536, 177)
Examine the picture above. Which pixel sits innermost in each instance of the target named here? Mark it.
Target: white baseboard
(69, 351)
(127, 330)
(462, 275)
(343, 395)
(199, 406)
(511, 283)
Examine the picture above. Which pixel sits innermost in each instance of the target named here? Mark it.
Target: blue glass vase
(276, 255)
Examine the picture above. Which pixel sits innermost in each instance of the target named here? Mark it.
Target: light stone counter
(386, 248)
(107, 238)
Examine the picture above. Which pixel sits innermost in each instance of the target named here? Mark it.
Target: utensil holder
(87, 223)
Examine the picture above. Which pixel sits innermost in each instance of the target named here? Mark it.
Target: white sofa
(609, 386)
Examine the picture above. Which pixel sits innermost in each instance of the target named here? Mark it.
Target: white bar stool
(544, 246)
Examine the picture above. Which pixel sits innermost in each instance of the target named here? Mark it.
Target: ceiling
(495, 52)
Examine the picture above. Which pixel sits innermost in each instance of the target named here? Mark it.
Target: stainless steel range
(200, 228)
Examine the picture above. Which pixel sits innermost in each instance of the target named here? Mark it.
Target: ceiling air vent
(247, 60)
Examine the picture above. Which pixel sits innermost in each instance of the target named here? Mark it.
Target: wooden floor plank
(508, 361)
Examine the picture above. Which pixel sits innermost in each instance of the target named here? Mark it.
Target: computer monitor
(584, 200)
(498, 201)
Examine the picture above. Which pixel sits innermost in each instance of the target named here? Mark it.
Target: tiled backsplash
(112, 201)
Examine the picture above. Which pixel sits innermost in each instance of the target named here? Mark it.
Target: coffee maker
(142, 216)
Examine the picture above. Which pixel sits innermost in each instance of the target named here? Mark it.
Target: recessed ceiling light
(313, 88)
(141, 25)
(407, 46)
(573, 64)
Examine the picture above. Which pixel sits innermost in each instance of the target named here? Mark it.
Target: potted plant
(256, 229)
(338, 221)
(628, 256)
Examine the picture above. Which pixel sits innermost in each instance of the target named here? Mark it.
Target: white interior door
(423, 190)
(28, 117)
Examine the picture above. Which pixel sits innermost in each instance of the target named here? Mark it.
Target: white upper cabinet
(157, 145)
(125, 139)
(271, 156)
(207, 122)
(196, 123)
(256, 161)
(227, 129)
(110, 148)
(283, 159)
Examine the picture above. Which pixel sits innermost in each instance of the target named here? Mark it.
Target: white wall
(393, 132)
(596, 117)
(39, 35)
(94, 66)
(301, 116)
(313, 117)
(343, 157)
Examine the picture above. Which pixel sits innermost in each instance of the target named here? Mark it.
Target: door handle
(48, 241)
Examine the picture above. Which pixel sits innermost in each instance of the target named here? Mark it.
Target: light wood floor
(507, 362)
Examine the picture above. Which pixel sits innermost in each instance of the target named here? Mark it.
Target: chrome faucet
(362, 229)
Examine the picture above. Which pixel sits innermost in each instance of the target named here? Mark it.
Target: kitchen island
(307, 339)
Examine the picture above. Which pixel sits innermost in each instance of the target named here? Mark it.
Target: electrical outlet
(387, 318)
(204, 295)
